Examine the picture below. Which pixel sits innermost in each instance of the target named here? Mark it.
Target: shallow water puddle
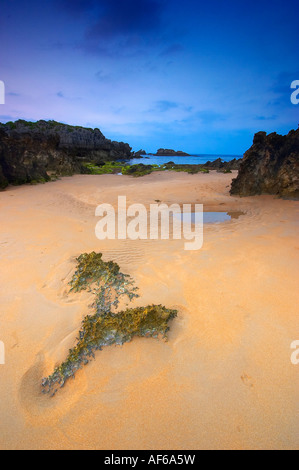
(209, 217)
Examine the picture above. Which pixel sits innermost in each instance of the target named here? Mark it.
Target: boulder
(270, 166)
(139, 154)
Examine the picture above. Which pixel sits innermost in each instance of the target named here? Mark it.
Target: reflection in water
(210, 217)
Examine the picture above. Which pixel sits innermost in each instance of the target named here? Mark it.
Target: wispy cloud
(266, 118)
(210, 117)
(5, 118)
(165, 105)
(77, 7)
(63, 96)
(102, 76)
(126, 18)
(119, 28)
(171, 50)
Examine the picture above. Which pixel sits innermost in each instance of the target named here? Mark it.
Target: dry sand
(224, 380)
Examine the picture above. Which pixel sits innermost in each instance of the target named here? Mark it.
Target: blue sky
(197, 76)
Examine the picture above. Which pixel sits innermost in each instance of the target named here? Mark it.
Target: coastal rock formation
(27, 158)
(138, 154)
(270, 166)
(171, 153)
(31, 151)
(3, 180)
(222, 166)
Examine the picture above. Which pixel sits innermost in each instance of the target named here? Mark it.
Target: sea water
(192, 160)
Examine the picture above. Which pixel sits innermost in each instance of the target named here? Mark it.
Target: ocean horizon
(178, 160)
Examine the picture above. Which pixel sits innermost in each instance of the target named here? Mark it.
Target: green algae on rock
(104, 280)
(105, 328)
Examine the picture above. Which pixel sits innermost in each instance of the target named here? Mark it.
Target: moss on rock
(105, 327)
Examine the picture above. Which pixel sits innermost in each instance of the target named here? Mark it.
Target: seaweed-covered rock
(270, 166)
(106, 327)
(138, 170)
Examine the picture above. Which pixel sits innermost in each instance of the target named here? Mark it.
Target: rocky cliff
(270, 166)
(32, 151)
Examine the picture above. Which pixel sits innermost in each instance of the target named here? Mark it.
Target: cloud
(4, 118)
(61, 95)
(171, 50)
(117, 17)
(103, 77)
(126, 18)
(210, 117)
(165, 105)
(266, 118)
(75, 7)
(122, 28)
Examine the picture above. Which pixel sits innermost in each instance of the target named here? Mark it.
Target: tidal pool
(210, 217)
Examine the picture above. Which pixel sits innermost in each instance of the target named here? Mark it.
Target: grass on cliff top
(106, 327)
(41, 123)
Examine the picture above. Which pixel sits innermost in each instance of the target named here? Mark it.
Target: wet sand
(224, 380)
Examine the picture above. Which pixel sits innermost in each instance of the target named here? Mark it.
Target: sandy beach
(224, 380)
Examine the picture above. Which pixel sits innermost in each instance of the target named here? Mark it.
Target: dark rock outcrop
(3, 179)
(222, 166)
(139, 154)
(26, 158)
(33, 151)
(171, 153)
(270, 166)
